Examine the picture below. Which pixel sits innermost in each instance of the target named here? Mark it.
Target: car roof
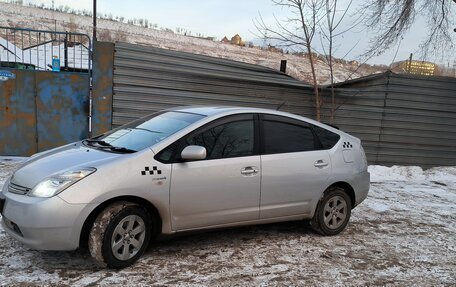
(215, 110)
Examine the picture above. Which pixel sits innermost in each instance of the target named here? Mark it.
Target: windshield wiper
(102, 144)
(121, 149)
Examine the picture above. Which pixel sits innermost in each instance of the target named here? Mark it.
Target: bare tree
(392, 19)
(329, 32)
(298, 32)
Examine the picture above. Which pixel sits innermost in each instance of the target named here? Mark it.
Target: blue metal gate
(44, 89)
(42, 110)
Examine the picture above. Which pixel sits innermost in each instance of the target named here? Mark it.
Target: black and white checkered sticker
(153, 171)
(347, 145)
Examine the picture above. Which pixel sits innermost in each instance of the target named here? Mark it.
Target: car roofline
(217, 111)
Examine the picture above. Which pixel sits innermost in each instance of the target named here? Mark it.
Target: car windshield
(144, 132)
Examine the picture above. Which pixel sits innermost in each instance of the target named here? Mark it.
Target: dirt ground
(402, 235)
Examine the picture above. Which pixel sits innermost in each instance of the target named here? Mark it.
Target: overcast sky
(227, 17)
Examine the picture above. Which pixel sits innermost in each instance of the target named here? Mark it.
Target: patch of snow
(378, 207)
(443, 174)
(411, 173)
(395, 173)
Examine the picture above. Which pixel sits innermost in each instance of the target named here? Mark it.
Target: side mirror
(194, 152)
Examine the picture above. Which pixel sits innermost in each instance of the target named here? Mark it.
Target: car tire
(333, 212)
(120, 235)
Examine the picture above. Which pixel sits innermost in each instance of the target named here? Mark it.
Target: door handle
(320, 163)
(249, 171)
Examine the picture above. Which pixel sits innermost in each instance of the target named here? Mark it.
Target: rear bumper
(361, 185)
(43, 223)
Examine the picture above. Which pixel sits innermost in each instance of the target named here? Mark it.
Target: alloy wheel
(335, 212)
(128, 237)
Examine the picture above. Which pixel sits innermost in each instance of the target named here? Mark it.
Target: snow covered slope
(298, 66)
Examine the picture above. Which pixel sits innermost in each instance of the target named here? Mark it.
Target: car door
(294, 170)
(224, 188)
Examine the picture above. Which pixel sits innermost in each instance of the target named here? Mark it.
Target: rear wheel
(120, 234)
(333, 212)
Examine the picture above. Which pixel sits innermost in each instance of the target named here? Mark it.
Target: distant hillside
(109, 30)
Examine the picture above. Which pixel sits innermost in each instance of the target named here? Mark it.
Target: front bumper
(43, 223)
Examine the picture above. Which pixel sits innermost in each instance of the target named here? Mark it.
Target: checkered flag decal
(347, 145)
(152, 171)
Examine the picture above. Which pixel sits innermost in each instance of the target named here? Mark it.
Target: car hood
(57, 160)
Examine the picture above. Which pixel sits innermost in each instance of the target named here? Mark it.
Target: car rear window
(280, 137)
(327, 138)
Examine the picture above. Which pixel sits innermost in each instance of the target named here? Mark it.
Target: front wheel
(333, 212)
(120, 234)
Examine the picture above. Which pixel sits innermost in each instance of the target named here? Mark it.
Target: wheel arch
(348, 189)
(153, 211)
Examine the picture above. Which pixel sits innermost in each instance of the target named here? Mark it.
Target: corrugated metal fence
(401, 119)
(151, 79)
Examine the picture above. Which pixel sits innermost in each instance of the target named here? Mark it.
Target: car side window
(327, 138)
(168, 154)
(284, 137)
(232, 139)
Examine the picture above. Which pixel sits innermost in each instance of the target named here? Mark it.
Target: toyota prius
(184, 169)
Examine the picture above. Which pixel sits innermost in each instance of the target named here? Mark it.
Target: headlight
(55, 184)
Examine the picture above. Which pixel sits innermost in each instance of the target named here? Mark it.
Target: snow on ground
(403, 235)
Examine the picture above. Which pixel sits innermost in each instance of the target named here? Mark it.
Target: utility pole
(409, 66)
(53, 15)
(94, 38)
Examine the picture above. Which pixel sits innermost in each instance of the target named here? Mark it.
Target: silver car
(184, 169)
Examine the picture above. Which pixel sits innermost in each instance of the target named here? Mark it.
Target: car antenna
(280, 106)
